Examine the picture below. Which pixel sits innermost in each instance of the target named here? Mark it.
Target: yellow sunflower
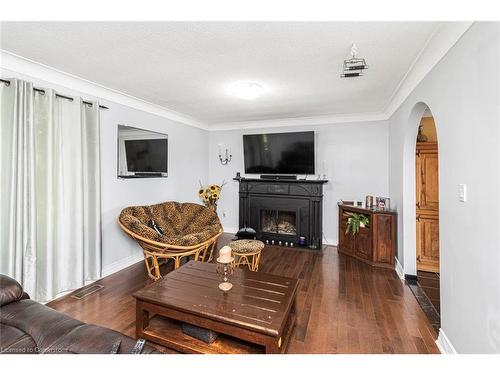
(201, 192)
(215, 195)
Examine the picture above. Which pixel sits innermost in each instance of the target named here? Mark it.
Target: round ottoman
(247, 252)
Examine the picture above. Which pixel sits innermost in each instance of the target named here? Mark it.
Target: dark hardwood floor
(344, 306)
(429, 282)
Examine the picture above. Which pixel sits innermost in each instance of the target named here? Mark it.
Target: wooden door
(346, 240)
(384, 238)
(428, 243)
(363, 244)
(427, 198)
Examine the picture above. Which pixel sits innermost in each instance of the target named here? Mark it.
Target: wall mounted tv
(141, 153)
(279, 153)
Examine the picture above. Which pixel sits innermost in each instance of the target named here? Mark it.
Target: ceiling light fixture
(354, 66)
(247, 90)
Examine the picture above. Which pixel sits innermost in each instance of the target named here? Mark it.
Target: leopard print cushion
(183, 224)
(246, 246)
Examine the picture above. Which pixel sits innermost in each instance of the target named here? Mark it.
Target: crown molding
(301, 121)
(444, 37)
(22, 65)
(439, 43)
(437, 46)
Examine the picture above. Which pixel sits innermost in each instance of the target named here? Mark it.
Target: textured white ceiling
(188, 66)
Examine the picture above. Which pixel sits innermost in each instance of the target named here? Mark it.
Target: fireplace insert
(279, 222)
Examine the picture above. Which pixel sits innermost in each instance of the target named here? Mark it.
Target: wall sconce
(225, 154)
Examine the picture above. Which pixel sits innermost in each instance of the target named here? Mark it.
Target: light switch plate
(462, 192)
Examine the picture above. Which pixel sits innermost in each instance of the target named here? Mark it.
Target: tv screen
(279, 153)
(146, 155)
(141, 153)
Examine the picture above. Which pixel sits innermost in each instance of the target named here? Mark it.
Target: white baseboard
(121, 264)
(399, 269)
(231, 230)
(330, 242)
(444, 344)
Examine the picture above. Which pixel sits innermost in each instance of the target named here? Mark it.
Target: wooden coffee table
(256, 316)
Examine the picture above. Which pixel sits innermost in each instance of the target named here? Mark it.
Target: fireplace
(278, 222)
(283, 211)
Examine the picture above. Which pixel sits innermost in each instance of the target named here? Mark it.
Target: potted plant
(356, 221)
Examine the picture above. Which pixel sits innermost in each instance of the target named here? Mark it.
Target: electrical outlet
(462, 192)
(223, 213)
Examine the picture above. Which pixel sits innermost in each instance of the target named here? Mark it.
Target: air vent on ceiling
(354, 66)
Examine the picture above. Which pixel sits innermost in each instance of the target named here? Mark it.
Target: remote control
(155, 227)
(137, 349)
(115, 347)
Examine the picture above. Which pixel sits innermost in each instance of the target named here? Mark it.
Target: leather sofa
(29, 327)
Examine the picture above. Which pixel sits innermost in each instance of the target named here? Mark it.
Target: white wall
(187, 152)
(353, 155)
(463, 93)
(188, 147)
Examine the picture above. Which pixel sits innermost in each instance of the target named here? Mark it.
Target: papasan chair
(172, 230)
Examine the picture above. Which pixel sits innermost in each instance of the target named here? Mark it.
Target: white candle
(225, 254)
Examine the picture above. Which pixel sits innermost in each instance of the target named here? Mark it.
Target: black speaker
(277, 177)
(246, 233)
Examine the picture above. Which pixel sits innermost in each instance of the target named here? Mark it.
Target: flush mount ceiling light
(247, 90)
(354, 66)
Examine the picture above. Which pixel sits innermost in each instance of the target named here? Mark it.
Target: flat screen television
(142, 153)
(279, 153)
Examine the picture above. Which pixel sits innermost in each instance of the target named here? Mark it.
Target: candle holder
(225, 267)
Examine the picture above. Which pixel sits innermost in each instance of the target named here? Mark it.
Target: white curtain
(50, 223)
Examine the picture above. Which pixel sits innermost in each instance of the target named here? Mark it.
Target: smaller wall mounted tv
(141, 153)
(279, 153)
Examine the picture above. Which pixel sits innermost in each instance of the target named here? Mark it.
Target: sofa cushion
(42, 323)
(90, 338)
(183, 224)
(56, 333)
(10, 290)
(15, 341)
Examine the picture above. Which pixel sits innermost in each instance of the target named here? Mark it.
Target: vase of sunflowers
(210, 195)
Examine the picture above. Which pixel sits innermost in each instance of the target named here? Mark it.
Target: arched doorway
(409, 212)
(427, 208)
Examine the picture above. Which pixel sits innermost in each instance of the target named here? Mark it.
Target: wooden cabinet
(374, 244)
(427, 202)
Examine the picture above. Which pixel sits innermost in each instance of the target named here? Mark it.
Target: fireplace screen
(281, 222)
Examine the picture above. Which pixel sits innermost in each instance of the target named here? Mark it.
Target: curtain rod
(42, 91)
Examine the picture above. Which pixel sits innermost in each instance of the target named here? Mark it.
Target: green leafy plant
(356, 221)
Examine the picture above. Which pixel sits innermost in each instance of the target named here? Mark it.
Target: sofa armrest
(10, 290)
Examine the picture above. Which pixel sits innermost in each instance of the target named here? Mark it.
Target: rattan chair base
(251, 260)
(155, 252)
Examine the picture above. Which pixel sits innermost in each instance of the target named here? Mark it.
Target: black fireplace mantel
(302, 198)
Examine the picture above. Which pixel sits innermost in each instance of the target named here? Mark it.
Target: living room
(373, 230)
